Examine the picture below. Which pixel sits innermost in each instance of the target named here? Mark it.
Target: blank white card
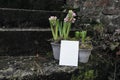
(69, 53)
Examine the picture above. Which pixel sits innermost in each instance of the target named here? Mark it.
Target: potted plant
(60, 31)
(85, 46)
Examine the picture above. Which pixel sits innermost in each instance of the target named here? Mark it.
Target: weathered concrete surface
(29, 67)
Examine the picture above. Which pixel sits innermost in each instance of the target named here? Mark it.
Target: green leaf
(77, 34)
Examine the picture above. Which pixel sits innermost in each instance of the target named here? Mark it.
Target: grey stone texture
(107, 11)
(28, 67)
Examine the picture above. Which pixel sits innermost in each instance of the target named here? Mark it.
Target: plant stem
(56, 29)
(64, 29)
(68, 29)
(53, 33)
(61, 29)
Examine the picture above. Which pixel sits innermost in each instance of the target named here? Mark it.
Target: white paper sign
(69, 53)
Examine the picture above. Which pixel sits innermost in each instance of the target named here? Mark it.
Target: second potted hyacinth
(60, 31)
(85, 46)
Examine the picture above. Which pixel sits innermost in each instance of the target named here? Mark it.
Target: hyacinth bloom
(63, 27)
(53, 20)
(54, 23)
(68, 20)
(70, 17)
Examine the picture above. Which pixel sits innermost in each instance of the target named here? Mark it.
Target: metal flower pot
(83, 55)
(56, 50)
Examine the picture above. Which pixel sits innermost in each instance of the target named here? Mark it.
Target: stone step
(25, 18)
(33, 68)
(24, 42)
(33, 4)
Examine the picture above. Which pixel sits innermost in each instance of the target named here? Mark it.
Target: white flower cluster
(53, 20)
